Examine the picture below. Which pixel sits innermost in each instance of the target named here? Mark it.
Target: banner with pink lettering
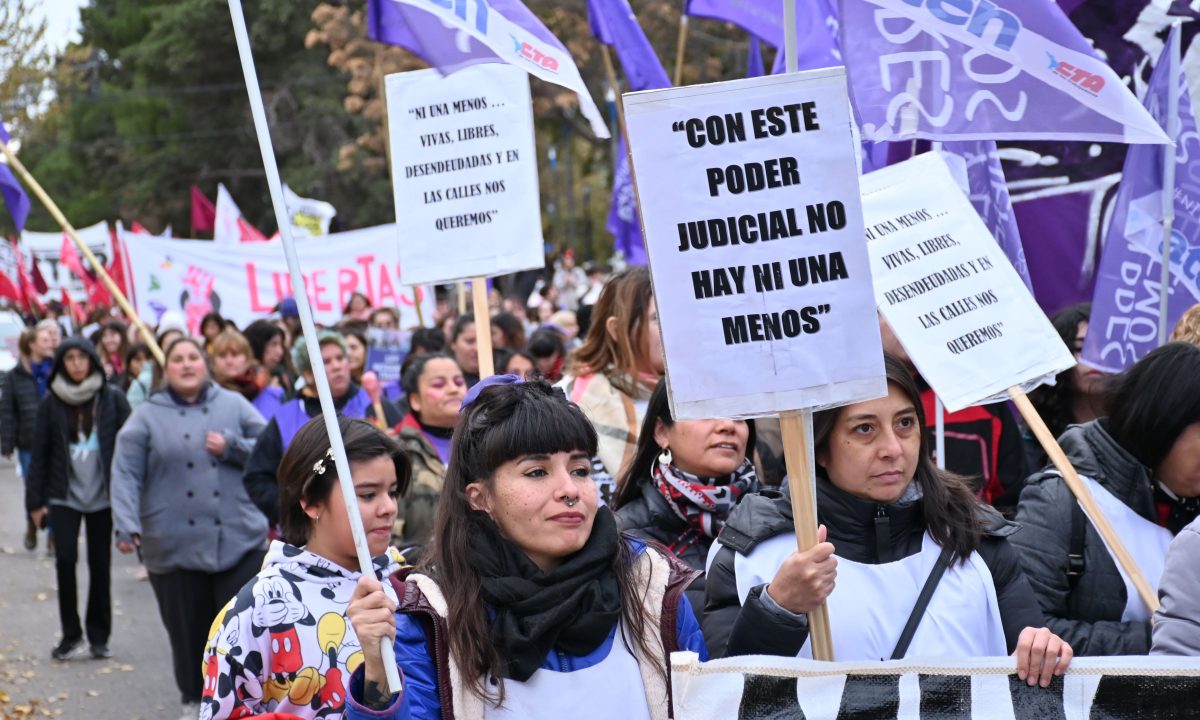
(245, 282)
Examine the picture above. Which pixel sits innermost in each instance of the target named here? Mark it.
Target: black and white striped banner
(773, 688)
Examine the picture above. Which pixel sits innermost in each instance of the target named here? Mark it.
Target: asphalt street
(136, 684)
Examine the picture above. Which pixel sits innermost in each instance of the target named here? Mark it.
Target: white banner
(761, 688)
(464, 173)
(963, 314)
(750, 204)
(244, 282)
(46, 248)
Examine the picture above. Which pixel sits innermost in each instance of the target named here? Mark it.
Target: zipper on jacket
(883, 535)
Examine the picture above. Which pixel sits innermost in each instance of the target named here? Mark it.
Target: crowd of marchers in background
(555, 524)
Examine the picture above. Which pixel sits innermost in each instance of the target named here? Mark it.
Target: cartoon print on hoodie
(283, 643)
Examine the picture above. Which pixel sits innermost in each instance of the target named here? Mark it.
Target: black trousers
(188, 601)
(64, 524)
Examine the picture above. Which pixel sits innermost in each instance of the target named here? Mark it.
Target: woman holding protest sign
(178, 499)
(685, 479)
(433, 388)
(898, 525)
(1077, 395)
(553, 611)
(296, 657)
(612, 375)
(1142, 465)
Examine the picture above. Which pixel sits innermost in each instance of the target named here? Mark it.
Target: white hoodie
(283, 643)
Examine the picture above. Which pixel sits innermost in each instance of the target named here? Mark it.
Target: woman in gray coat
(1177, 621)
(178, 498)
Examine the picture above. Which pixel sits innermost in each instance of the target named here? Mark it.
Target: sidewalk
(137, 683)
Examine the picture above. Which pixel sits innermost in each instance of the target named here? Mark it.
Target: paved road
(136, 683)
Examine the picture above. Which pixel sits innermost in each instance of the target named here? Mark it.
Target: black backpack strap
(918, 611)
(1075, 561)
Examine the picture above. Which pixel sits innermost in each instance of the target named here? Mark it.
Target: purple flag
(989, 195)
(622, 216)
(14, 195)
(763, 18)
(613, 23)
(1125, 306)
(754, 59)
(451, 36)
(1002, 69)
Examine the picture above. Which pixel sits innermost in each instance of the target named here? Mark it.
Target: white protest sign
(246, 281)
(750, 204)
(963, 314)
(464, 173)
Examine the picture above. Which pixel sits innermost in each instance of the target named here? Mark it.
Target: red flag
(77, 313)
(204, 213)
(116, 266)
(97, 294)
(39, 281)
(250, 234)
(10, 286)
(139, 228)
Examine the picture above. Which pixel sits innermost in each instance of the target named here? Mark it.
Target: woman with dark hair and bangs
(555, 613)
(896, 522)
(1142, 465)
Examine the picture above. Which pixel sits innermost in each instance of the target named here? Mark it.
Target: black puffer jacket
(18, 410)
(731, 628)
(1088, 617)
(650, 518)
(49, 467)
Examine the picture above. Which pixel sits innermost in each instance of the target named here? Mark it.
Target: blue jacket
(421, 699)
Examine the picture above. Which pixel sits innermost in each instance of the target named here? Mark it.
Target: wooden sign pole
(796, 430)
(483, 327)
(1084, 496)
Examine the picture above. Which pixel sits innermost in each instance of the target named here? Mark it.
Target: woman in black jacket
(76, 431)
(685, 479)
(892, 517)
(1142, 465)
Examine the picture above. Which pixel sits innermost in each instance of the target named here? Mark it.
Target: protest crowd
(547, 516)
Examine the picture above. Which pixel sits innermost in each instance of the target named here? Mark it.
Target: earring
(664, 457)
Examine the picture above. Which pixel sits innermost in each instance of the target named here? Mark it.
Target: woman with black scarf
(69, 473)
(575, 620)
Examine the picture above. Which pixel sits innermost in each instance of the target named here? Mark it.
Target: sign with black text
(464, 173)
(963, 314)
(749, 200)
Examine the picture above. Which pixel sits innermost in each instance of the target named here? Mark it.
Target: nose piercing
(570, 502)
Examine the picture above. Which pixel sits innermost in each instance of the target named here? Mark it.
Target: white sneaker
(191, 711)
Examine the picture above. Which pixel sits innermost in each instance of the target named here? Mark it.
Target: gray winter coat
(1177, 622)
(189, 506)
(1088, 617)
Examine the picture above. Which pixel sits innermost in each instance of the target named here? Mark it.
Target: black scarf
(571, 609)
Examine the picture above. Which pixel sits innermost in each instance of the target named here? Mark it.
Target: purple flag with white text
(451, 36)
(1002, 69)
(989, 195)
(14, 195)
(1125, 305)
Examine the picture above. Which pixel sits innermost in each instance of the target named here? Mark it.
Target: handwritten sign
(464, 173)
(750, 204)
(963, 314)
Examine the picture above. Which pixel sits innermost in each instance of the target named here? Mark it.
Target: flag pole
(105, 278)
(680, 47)
(259, 113)
(483, 327)
(796, 430)
(1168, 193)
(1084, 497)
